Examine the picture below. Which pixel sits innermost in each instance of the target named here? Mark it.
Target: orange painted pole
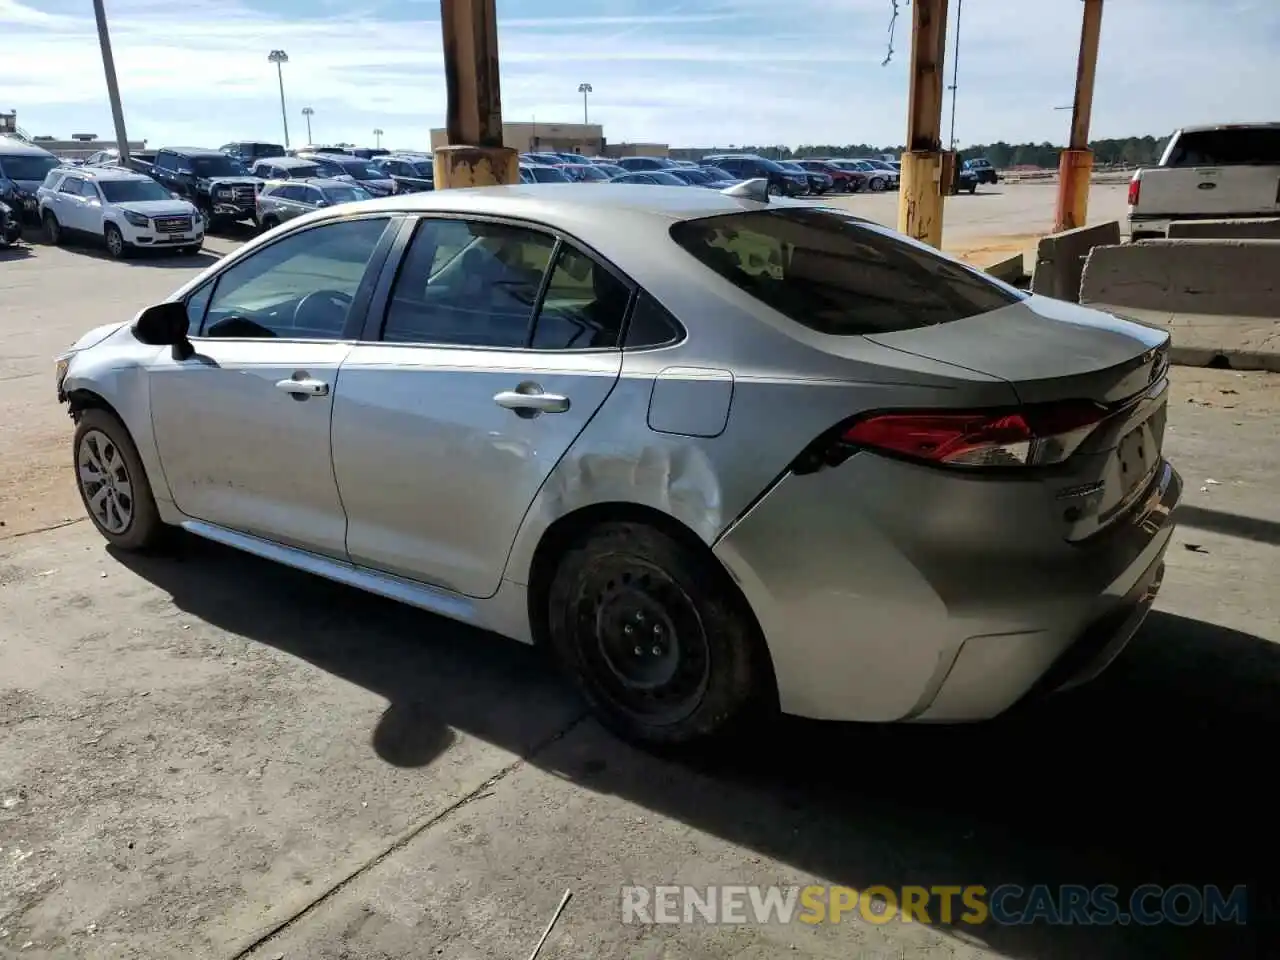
(1075, 168)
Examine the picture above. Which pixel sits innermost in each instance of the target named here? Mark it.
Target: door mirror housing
(165, 324)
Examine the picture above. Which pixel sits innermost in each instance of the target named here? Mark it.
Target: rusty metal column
(475, 156)
(1076, 166)
(920, 199)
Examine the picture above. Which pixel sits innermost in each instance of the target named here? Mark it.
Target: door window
(469, 283)
(583, 307)
(300, 287)
(166, 161)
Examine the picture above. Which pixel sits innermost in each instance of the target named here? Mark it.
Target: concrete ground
(205, 755)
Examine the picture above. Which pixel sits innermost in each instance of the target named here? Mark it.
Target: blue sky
(693, 73)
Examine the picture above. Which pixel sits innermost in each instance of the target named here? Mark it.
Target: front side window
(836, 275)
(220, 166)
(468, 283)
(300, 287)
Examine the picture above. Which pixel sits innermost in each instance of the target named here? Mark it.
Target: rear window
(836, 275)
(1226, 148)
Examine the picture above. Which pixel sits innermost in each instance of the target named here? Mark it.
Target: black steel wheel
(655, 637)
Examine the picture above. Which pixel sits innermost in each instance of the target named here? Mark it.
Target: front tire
(114, 239)
(877, 185)
(112, 483)
(656, 638)
(775, 190)
(191, 249)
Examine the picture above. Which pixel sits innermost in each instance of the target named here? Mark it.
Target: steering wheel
(322, 310)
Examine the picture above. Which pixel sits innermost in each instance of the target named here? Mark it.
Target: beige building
(584, 138)
(637, 150)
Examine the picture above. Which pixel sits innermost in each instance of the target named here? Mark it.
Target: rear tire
(701, 671)
(191, 249)
(877, 185)
(113, 484)
(269, 222)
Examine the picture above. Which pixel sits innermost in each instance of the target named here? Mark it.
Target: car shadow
(18, 252)
(1154, 774)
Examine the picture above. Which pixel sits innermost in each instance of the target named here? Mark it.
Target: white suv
(125, 210)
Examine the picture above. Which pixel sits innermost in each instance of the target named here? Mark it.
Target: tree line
(1130, 151)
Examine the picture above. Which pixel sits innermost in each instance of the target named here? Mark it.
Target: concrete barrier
(1010, 269)
(1219, 299)
(1261, 228)
(1060, 258)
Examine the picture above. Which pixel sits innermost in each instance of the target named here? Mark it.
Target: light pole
(584, 89)
(113, 89)
(308, 113)
(377, 133)
(955, 74)
(279, 58)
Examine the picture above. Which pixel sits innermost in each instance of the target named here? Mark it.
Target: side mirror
(165, 324)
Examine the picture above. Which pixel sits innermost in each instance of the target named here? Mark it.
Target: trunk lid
(1049, 350)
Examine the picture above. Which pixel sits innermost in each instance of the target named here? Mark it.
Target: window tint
(583, 307)
(651, 325)
(291, 191)
(166, 161)
(830, 273)
(72, 185)
(300, 287)
(468, 283)
(1232, 147)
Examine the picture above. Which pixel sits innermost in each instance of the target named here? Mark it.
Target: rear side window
(835, 275)
(1242, 146)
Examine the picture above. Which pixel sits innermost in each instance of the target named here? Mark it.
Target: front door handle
(304, 387)
(529, 400)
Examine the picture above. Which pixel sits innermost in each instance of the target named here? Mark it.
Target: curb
(1224, 358)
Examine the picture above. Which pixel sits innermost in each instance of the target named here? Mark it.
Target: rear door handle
(304, 387)
(529, 398)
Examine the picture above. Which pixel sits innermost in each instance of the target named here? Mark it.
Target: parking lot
(203, 754)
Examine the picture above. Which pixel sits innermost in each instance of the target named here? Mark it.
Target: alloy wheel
(104, 480)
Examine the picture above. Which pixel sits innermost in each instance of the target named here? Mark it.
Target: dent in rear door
(435, 475)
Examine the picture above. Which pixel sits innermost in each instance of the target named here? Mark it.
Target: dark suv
(782, 183)
(216, 182)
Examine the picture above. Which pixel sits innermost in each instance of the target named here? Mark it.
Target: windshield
(548, 175)
(362, 170)
(27, 168)
(132, 191)
(715, 173)
(835, 275)
(593, 174)
(221, 166)
(663, 177)
(692, 176)
(337, 195)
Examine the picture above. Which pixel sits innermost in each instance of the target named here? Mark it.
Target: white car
(126, 211)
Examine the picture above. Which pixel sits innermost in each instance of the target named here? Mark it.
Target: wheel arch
(566, 530)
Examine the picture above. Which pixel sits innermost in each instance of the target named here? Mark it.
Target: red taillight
(1008, 438)
(1135, 188)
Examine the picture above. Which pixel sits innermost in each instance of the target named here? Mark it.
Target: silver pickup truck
(1223, 172)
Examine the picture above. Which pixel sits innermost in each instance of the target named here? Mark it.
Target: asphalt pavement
(202, 754)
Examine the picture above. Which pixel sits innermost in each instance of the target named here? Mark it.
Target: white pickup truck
(1224, 172)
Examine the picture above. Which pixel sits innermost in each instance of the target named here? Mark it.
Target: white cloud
(715, 72)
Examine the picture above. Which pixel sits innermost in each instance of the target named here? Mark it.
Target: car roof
(18, 148)
(285, 161)
(1206, 128)
(193, 151)
(108, 173)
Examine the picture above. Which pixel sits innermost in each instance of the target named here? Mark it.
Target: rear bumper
(882, 598)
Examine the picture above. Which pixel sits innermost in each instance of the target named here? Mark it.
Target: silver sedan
(719, 453)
